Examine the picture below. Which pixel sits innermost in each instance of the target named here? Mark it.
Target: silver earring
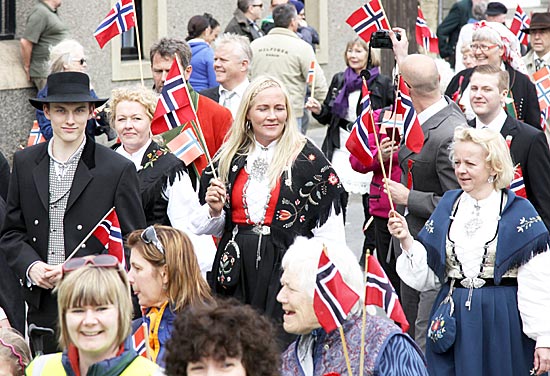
(491, 179)
(248, 124)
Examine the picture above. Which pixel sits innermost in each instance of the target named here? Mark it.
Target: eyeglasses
(100, 261)
(81, 61)
(482, 47)
(258, 5)
(149, 235)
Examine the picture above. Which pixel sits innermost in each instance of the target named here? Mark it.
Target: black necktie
(539, 64)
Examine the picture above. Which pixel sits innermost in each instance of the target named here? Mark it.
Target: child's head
(15, 354)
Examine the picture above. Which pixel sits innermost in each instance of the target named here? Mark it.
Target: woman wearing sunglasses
(95, 313)
(166, 278)
(167, 194)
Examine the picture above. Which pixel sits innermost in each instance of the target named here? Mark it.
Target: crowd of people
(211, 266)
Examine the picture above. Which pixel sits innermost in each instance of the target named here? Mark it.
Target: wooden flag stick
(196, 127)
(345, 348)
(138, 44)
(380, 160)
(364, 318)
(89, 235)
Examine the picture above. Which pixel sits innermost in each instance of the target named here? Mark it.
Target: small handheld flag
(109, 234)
(333, 299)
(358, 141)
(186, 147)
(424, 36)
(368, 19)
(35, 136)
(380, 292)
(174, 107)
(520, 22)
(414, 137)
(120, 19)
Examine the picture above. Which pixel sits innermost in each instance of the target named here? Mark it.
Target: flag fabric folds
(186, 147)
(120, 19)
(311, 72)
(520, 21)
(174, 107)
(138, 340)
(333, 299)
(35, 136)
(412, 132)
(542, 84)
(358, 141)
(424, 36)
(380, 292)
(368, 19)
(109, 234)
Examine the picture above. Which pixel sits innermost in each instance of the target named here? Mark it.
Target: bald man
(431, 171)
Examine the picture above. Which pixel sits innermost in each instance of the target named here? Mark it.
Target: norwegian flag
(521, 21)
(380, 292)
(517, 185)
(186, 147)
(358, 141)
(414, 137)
(174, 107)
(120, 19)
(543, 118)
(424, 36)
(368, 19)
(35, 136)
(333, 299)
(542, 83)
(109, 234)
(311, 72)
(138, 340)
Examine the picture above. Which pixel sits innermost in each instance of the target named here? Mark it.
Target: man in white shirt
(539, 36)
(528, 145)
(232, 59)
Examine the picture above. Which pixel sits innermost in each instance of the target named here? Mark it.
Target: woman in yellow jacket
(95, 313)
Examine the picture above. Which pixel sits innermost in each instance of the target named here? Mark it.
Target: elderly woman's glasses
(100, 261)
(482, 47)
(149, 235)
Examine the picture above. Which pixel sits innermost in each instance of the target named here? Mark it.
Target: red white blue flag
(174, 107)
(380, 292)
(120, 19)
(542, 84)
(414, 137)
(333, 299)
(521, 21)
(138, 340)
(424, 36)
(109, 234)
(358, 141)
(186, 147)
(368, 19)
(35, 136)
(311, 72)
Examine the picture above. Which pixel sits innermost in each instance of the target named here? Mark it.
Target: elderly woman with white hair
(388, 351)
(494, 44)
(69, 56)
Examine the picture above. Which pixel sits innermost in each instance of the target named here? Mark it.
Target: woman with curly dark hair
(225, 337)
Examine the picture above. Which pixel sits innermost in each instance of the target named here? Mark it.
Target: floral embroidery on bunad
(310, 194)
(525, 224)
(437, 328)
(154, 155)
(429, 226)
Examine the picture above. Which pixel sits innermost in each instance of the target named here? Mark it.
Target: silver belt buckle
(262, 230)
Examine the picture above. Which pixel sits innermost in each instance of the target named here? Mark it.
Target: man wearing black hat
(58, 193)
(539, 36)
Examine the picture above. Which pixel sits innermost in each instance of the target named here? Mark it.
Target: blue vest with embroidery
(521, 234)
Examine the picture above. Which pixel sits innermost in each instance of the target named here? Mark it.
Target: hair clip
(14, 352)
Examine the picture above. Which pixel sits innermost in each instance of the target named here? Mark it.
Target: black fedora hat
(539, 21)
(67, 87)
(495, 8)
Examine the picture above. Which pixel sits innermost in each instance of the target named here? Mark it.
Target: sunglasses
(149, 236)
(99, 261)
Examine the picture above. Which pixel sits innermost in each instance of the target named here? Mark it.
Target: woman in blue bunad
(491, 245)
